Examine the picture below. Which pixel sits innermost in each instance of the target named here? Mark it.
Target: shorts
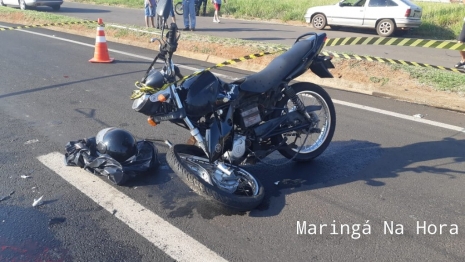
(149, 11)
(462, 34)
(217, 7)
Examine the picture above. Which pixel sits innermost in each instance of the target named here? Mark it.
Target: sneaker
(460, 64)
(186, 29)
(214, 20)
(192, 29)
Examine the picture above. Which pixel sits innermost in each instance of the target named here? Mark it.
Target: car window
(375, 3)
(352, 3)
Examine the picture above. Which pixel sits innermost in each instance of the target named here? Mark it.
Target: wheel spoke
(305, 141)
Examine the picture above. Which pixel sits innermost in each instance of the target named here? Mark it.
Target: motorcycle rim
(304, 144)
(247, 184)
(241, 192)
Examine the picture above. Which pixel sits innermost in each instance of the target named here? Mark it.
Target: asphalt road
(265, 32)
(384, 166)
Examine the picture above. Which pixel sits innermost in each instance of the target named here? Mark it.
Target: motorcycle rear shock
(297, 102)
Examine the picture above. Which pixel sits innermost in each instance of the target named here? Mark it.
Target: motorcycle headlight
(139, 103)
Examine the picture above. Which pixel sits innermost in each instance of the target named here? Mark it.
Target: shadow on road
(349, 161)
(343, 162)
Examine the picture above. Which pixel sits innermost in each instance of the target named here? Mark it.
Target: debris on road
(276, 183)
(4, 198)
(418, 116)
(7, 197)
(37, 202)
(25, 176)
(56, 220)
(32, 141)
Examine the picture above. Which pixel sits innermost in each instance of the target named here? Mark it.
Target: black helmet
(117, 143)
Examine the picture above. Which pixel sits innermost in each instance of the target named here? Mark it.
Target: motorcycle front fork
(193, 130)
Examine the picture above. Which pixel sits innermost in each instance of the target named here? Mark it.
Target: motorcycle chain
(287, 161)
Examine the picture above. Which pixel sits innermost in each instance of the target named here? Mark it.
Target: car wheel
(22, 5)
(385, 27)
(56, 7)
(319, 21)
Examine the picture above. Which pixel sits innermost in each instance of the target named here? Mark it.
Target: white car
(386, 16)
(32, 4)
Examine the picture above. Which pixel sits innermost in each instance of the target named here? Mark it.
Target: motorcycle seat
(278, 69)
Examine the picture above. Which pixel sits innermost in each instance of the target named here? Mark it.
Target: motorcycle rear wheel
(310, 95)
(190, 164)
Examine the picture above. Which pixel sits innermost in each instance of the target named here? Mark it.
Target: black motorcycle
(241, 122)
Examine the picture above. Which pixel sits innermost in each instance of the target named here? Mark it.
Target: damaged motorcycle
(240, 122)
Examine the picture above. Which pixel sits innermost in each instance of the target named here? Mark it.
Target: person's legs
(185, 7)
(147, 13)
(204, 7)
(216, 17)
(152, 20)
(154, 13)
(192, 14)
(215, 14)
(461, 39)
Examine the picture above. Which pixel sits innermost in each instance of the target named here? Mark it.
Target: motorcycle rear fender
(320, 66)
(221, 133)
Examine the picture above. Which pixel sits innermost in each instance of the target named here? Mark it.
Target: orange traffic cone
(101, 49)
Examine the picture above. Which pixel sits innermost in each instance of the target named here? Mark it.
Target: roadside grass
(440, 80)
(440, 20)
(437, 79)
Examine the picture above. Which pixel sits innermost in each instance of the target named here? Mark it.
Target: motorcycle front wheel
(178, 8)
(239, 191)
(311, 142)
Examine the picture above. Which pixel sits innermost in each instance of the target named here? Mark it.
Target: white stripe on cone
(100, 39)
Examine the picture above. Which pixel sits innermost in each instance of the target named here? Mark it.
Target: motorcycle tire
(311, 95)
(188, 162)
(178, 8)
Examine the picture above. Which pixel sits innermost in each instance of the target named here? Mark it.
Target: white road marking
(155, 229)
(367, 108)
(402, 116)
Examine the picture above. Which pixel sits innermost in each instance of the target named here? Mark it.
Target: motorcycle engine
(238, 149)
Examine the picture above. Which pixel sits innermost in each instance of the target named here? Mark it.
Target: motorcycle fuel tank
(203, 90)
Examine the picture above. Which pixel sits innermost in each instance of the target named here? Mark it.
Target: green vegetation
(439, 80)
